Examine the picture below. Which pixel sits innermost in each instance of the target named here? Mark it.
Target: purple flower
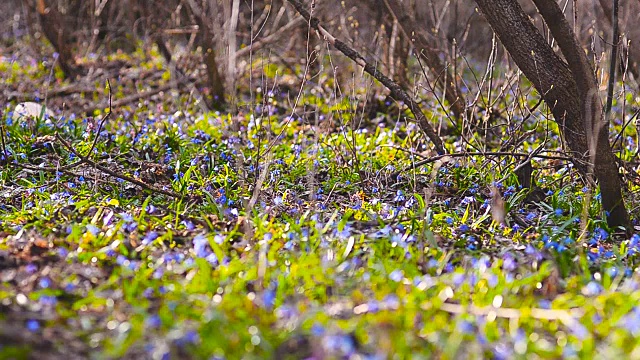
(153, 321)
(218, 239)
(458, 279)
(396, 275)
(188, 224)
(148, 292)
(212, 259)
(94, 230)
(150, 237)
(468, 200)
(631, 321)
(592, 288)
(31, 268)
(465, 327)
(530, 250)
(200, 245)
(121, 260)
(509, 263)
(48, 301)
(391, 301)
(130, 226)
(190, 337)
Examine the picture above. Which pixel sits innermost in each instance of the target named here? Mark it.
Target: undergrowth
(299, 232)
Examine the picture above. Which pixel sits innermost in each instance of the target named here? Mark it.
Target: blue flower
(153, 321)
(530, 250)
(148, 292)
(396, 275)
(592, 288)
(48, 301)
(190, 337)
(188, 224)
(399, 196)
(44, 283)
(150, 237)
(468, 200)
(600, 234)
(126, 217)
(93, 229)
(465, 327)
(631, 321)
(509, 262)
(121, 260)
(33, 325)
(218, 239)
(200, 243)
(212, 259)
(269, 298)
(458, 279)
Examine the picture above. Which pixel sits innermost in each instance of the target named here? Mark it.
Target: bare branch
(396, 90)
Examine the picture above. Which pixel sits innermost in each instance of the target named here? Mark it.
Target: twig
(567, 317)
(104, 119)
(90, 162)
(4, 146)
(269, 39)
(619, 136)
(614, 55)
(457, 155)
(396, 90)
(131, 98)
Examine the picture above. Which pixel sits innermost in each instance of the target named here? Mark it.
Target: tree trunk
(58, 36)
(216, 83)
(631, 32)
(427, 52)
(569, 90)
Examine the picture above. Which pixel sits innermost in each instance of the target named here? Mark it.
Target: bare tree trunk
(216, 99)
(58, 36)
(427, 51)
(631, 31)
(569, 90)
(232, 48)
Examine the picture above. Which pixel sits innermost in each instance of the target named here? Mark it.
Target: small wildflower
(150, 237)
(33, 325)
(153, 321)
(396, 275)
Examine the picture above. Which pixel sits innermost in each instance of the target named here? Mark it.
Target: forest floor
(305, 225)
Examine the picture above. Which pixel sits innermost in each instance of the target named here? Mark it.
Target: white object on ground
(31, 109)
